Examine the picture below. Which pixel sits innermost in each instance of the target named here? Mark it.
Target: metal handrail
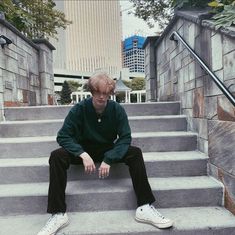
(218, 82)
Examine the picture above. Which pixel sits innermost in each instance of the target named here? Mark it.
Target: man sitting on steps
(89, 135)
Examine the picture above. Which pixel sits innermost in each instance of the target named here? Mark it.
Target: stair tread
(134, 135)
(31, 121)
(149, 117)
(148, 157)
(110, 185)
(190, 220)
(65, 106)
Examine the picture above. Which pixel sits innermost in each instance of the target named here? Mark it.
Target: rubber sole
(63, 226)
(161, 226)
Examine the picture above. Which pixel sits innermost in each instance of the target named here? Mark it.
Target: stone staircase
(177, 173)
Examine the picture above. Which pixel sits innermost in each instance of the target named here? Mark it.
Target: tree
(152, 11)
(127, 83)
(162, 11)
(73, 85)
(35, 19)
(138, 84)
(65, 95)
(85, 87)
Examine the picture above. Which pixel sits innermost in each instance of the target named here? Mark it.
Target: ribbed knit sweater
(84, 128)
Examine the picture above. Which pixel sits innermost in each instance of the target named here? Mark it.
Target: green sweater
(82, 129)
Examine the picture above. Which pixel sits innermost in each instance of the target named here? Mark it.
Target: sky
(132, 25)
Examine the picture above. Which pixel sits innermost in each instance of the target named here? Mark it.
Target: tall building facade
(133, 53)
(93, 40)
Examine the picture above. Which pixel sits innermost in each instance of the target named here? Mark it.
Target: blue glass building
(133, 54)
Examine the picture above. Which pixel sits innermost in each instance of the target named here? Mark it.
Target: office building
(133, 54)
(93, 41)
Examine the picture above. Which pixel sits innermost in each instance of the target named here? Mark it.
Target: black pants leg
(60, 161)
(135, 162)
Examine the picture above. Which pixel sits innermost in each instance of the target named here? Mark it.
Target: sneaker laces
(155, 211)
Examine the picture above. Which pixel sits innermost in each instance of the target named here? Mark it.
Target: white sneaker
(55, 223)
(148, 214)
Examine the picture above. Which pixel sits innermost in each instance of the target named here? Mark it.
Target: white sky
(132, 25)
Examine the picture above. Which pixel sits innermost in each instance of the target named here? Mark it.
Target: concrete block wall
(180, 78)
(150, 70)
(26, 72)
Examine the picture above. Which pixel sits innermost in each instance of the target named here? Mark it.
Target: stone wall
(209, 113)
(149, 68)
(26, 71)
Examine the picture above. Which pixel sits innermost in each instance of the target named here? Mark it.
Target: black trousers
(60, 161)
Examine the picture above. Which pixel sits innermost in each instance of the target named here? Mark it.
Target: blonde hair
(99, 79)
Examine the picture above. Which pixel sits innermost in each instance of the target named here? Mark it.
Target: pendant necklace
(99, 117)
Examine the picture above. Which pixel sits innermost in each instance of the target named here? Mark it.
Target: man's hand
(104, 170)
(88, 163)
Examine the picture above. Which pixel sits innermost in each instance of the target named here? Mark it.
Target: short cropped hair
(98, 79)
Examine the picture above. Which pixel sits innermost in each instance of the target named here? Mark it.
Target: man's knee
(133, 154)
(53, 157)
(135, 151)
(58, 156)
(138, 151)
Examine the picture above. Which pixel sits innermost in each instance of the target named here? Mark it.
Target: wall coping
(18, 33)
(200, 17)
(149, 39)
(44, 41)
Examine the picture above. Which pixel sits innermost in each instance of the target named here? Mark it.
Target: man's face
(101, 96)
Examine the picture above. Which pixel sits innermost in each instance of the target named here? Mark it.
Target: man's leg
(59, 161)
(145, 212)
(134, 159)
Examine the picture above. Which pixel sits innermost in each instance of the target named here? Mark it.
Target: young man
(89, 134)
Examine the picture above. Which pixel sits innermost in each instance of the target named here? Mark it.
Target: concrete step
(59, 112)
(158, 164)
(187, 221)
(51, 127)
(147, 141)
(111, 194)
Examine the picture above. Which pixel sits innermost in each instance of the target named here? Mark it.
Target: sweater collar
(93, 109)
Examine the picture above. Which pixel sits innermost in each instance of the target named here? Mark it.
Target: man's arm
(66, 138)
(70, 130)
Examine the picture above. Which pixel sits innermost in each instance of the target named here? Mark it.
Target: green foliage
(153, 11)
(85, 87)
(190, 3)
(138, 84)
(127, 83)
(65, 94)
(120, 97)
(225, 13)
(35, 19)
(74, 85)
(161, 11)
(135, 83)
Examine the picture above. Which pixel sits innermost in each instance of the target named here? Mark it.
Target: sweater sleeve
(124, 139)
(67, 135)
